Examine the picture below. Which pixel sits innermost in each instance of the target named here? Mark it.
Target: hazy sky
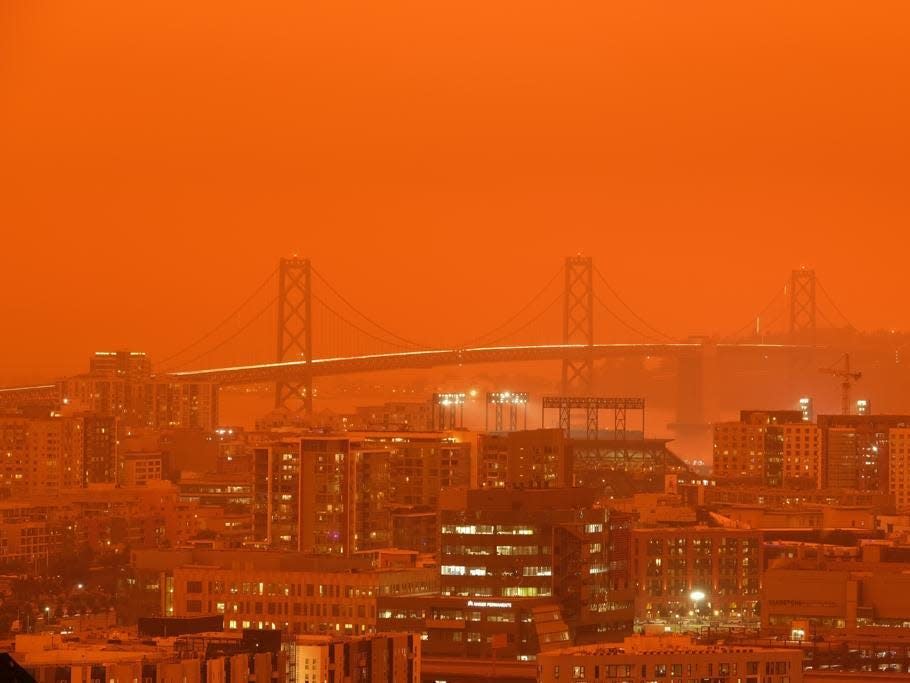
(157, 158)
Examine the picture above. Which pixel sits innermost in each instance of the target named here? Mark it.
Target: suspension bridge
(577, 318)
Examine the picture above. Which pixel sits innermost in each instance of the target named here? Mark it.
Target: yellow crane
(847, 377)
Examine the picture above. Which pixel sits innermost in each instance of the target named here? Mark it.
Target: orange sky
(157, 160)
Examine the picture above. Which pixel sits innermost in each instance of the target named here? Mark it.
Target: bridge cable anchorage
(363, 315)
(833, 305)
(530, 322)
(230, 338)
(355, 326)
(751, 324)
(622, 322)
(224, 322)
(644, 322)
(518, 313)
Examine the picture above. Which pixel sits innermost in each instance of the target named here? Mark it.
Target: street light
(696, 596)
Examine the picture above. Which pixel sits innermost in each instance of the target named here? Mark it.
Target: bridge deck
(321, 367)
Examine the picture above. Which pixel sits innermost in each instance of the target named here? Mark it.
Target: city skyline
(165, 195)
(454, 342)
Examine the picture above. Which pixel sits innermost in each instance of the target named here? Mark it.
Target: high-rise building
(133, 365)
(336, 494)
(802, 455)
(100, 451)
(276, 494)
(517, 544)
(120, 384)
(522, 570)
(844, 459)
(807, 409)
(45, 454)
(856, 450)
(774, 448)
(25, 535)
(539, 458)
(492, 460)
(899, 467)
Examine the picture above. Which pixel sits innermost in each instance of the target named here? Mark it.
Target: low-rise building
(670, 658)
(866, 594)
(379, 658)
(298, 593)
(197, 658)
(723, 566)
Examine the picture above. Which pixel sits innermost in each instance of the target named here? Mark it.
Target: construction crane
(847, 376)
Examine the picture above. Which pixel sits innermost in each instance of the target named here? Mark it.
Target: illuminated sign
(484, 603)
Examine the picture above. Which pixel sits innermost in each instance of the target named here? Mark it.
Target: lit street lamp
(696, 596)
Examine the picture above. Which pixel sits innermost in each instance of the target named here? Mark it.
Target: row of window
(676, 670)
(488, 529)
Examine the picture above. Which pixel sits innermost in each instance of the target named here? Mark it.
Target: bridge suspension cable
(363, 315)
(528, 324)
(622, 302)
(342, 319)
(625, 324)
(243, 328)
(484, 338)
(230, 316)
(751, 324)
(834, 305)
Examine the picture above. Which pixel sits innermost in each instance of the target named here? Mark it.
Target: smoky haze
(438, 161)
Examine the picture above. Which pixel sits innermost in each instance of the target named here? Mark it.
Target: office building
(521, 570)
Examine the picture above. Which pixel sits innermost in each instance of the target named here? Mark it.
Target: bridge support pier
(690, 390)
(578, 324)
(295, 333)
(802, 306)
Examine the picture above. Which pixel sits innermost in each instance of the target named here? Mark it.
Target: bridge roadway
(321, 367)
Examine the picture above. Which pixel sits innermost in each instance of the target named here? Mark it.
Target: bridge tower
(295, 332)
(802, 304)
(578, 323)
